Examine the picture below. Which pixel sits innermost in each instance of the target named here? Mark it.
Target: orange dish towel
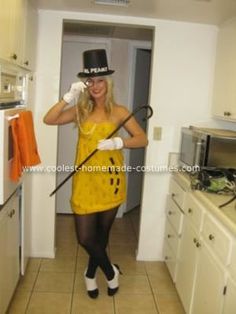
(25, 152)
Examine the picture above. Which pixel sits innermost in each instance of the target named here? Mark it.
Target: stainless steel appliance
(206, 147)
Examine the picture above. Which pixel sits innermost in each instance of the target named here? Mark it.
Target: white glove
(75, 90)
(110, 144)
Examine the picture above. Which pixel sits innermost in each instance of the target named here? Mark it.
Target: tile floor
(56, 286)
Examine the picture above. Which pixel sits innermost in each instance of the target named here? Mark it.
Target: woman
(98, 188)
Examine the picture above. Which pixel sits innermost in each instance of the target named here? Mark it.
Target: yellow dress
(101, 184)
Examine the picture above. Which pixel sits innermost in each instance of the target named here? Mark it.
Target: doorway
(126, 47)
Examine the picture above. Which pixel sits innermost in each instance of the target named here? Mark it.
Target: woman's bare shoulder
(120, 111)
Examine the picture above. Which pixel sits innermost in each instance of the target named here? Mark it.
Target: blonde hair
(86, 104)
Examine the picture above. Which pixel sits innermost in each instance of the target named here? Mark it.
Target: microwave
(206, 147)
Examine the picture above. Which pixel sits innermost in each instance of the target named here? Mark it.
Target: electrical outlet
(157, 133)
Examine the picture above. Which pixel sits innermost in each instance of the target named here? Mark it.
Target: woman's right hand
(74, 92)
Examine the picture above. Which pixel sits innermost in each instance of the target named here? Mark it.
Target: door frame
(134, 45)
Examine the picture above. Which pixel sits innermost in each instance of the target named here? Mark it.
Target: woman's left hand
(110, 144)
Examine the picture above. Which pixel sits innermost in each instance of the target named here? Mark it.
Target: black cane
(77, 168)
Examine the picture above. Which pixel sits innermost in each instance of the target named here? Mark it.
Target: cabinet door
(12, 245)
(186, 266)
(224, 95)
(18, 30)
(3, 261)
(209, 287)
(9, 250)
(5, 29)
(230, 298)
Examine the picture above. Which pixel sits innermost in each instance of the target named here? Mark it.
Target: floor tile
(128, 265)
(66, 238)
(59, 264)
(123, 250)
(161, 283)
(155, 268)
(134, 285)
(19, 302)
(33, 264)
(54, 282)
(169, 304)
(122, 238)
(27, 281)
(82, 304)
(49, 303)
(66, 249)
(135, 304)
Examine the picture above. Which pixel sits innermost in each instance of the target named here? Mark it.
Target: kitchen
(183, 63)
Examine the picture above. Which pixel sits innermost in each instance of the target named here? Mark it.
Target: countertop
(226, 214)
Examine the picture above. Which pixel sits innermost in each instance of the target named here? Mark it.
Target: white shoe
(113, 284)
(91, 286)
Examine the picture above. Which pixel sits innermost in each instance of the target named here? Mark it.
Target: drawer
(171, 237)
(232, 266)
(174, 214)
(194, 211)
(217, 238)
(170, 260)
(177, 193)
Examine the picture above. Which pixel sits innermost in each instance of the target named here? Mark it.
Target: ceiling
(199, 11)
(107, 30)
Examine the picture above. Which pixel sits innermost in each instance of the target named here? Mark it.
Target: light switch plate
(157, 133)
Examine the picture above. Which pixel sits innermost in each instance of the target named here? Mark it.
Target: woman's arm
(137, 137)
(58, 115)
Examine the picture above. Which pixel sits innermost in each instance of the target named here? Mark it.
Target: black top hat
(95, 63)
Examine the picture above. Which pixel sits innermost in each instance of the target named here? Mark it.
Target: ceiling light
(123, 3)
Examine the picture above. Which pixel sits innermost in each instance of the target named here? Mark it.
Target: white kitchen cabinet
(187, 265)
(209, 284)
(230, 294)
(230, 298)
(12, 19)
(5, 29)
(18, 32)
(206, 264)
(173, 228)
(224, 94)
(9, 251)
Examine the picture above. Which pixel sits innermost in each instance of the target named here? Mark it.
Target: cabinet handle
(31, 78)
(227, 113)
(190, 210)
(211, 237)
(26, 62)
(198, 244)
(169, 236)
(173, 194)
(194, 240)
(166, 258)
(170, 212)
(12, 213)
(14, 56)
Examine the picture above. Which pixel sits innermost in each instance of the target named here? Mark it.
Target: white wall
(183, 63)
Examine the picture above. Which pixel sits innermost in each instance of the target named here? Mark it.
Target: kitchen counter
(226, 214)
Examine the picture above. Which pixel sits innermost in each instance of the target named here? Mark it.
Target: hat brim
(82, 74)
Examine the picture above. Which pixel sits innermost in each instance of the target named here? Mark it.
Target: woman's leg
(87, 228)
(105, 220)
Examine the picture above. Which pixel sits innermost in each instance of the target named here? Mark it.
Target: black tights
(93, 233)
